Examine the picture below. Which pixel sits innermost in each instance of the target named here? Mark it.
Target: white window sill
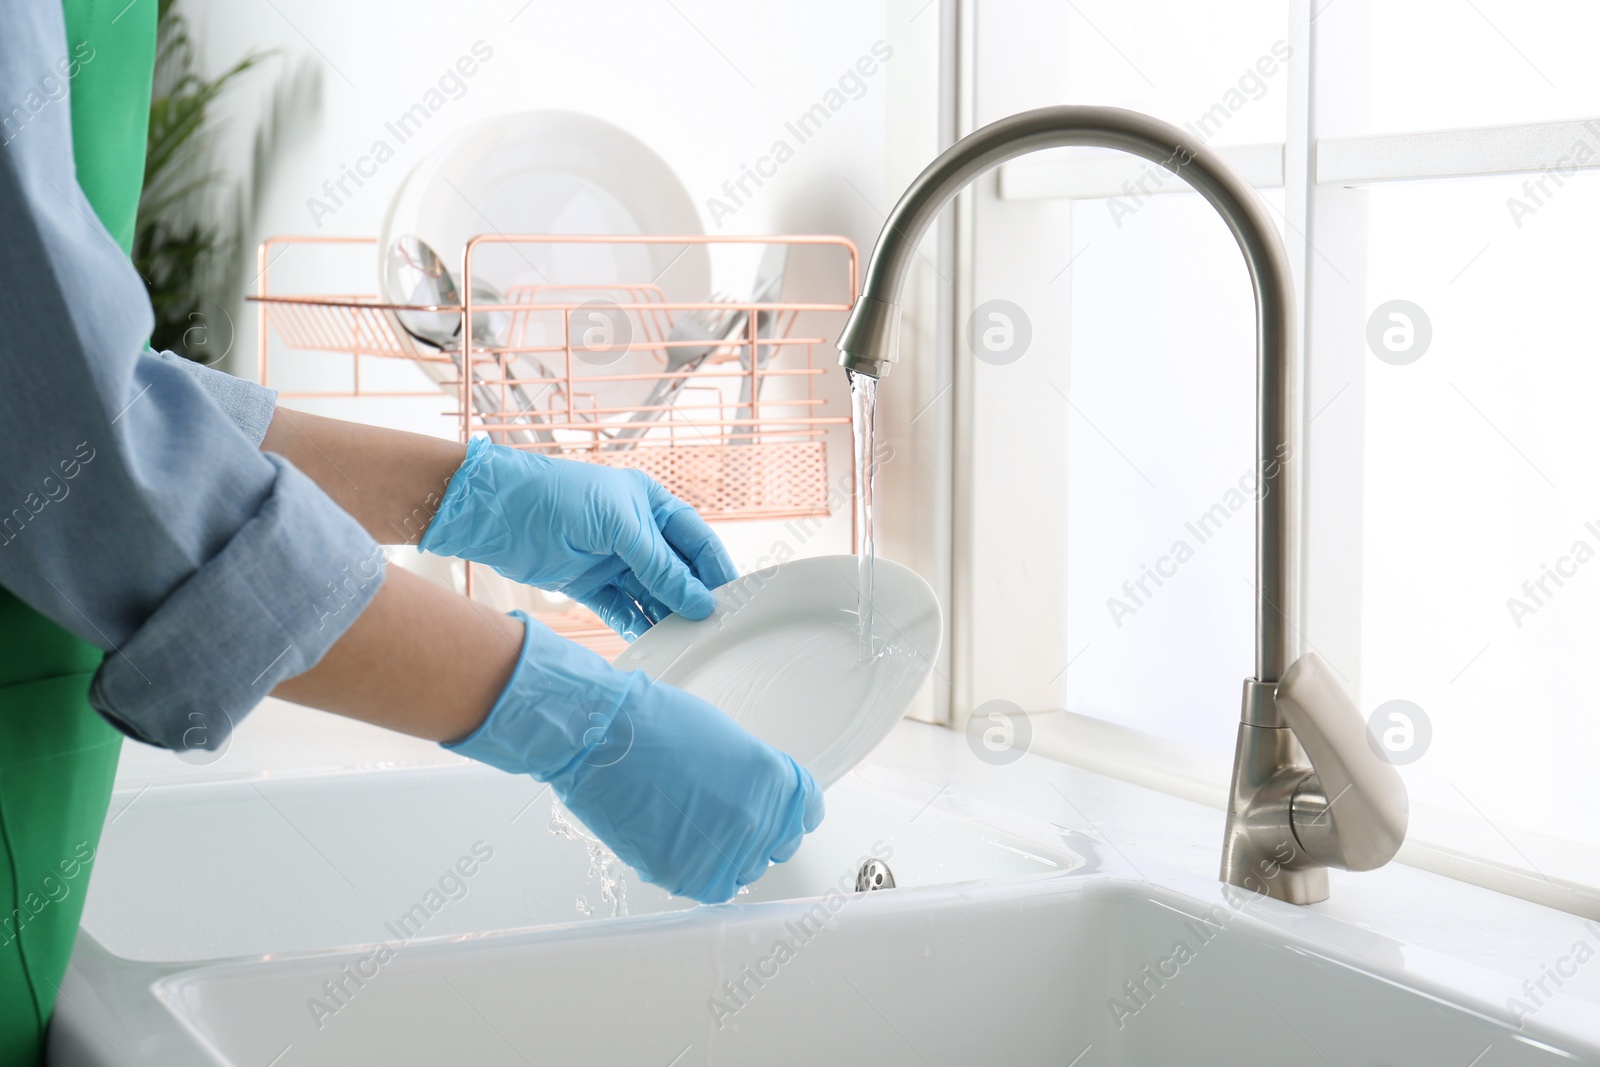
(1440, 841)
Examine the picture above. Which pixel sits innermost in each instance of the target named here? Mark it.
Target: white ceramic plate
(556, 172)
(782, 655)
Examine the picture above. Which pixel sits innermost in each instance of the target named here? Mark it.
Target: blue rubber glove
(680, 792)
(609, 537)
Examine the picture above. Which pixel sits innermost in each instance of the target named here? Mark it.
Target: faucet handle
(1352, 810)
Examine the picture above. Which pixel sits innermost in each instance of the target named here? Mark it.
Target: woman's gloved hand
(679, 791)
(609, 537)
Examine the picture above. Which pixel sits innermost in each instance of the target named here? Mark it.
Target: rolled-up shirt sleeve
(134, 511)
(248, 405)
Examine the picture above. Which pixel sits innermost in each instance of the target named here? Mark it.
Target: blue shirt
(136, 510)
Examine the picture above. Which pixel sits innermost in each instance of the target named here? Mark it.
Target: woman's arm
(611, 538)
(389, 480)
(420, 660)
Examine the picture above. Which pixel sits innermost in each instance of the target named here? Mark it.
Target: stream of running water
(863, 419)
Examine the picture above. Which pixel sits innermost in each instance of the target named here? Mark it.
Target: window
(1438, 155)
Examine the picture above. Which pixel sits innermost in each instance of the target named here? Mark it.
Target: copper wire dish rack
(744, 437)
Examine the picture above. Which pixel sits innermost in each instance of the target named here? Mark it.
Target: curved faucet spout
(1302, 744)
(870, 341)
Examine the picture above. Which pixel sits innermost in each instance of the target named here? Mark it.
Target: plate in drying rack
(561, 172)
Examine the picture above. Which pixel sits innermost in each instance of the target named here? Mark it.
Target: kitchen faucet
(1309, 790)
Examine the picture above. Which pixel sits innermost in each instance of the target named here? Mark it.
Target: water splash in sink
(604, 866)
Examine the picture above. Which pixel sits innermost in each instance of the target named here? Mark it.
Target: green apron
(57, 757)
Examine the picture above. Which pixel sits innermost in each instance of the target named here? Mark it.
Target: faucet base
(1291, 887)
(1260, 852)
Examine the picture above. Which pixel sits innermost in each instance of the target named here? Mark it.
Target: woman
(173, 548)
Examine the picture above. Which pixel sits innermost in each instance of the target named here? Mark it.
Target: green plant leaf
(192, 219)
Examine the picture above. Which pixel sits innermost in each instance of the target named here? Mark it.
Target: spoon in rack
(415, 274)
(692, 338)
(767, 289)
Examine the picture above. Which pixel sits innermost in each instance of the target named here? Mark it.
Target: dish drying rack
(744, 438)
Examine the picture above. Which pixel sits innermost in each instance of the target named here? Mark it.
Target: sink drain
(874, 875)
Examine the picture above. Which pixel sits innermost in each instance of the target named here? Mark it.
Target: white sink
(1027, 971)
(267, 866)
(1036, 962)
